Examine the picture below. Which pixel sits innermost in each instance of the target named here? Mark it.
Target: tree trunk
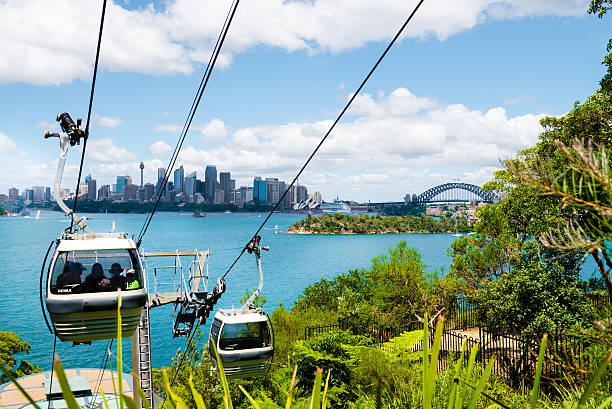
(602, 270)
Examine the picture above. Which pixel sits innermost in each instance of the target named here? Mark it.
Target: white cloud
(172, 40)
(398, 143)
(171, 128)
(214, 131)
(6, 144)
(160, 148)
(108, 121)
(47, 125)
(518, 100)
(105, 150)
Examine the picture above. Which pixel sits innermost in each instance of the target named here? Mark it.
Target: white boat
(38, 215)
(227, 212)
(276, 228)
(457, 235)
(335, 207)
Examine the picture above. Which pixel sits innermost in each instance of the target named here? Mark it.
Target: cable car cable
(178, 368)
(42, 269)
(91, 95)
(191, 115)
(348, 104)
(52, 364)
(102, 370)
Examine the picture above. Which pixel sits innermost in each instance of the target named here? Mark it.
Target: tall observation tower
(141, 173)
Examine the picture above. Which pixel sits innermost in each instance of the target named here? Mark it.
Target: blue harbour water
(293, 262)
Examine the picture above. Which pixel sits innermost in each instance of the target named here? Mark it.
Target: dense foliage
(365, 224)
(404, 210)
(2, 211)
(10, 345)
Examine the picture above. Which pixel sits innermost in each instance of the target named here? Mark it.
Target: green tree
(10, 345)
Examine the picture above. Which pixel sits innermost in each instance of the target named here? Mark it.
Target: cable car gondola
(84, 277)
(243, 337)
(88, 269)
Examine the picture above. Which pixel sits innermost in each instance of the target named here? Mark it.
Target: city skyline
(215, 189)
(464, 88)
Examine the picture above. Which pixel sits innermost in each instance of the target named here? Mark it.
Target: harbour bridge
(456, 192)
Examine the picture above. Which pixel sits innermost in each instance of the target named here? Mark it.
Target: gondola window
(91, 271)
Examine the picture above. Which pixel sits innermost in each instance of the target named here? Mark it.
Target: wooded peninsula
(365, 224)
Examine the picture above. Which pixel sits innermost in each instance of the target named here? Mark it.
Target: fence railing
(516, 356)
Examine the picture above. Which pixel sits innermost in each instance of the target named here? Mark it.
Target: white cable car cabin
(83, 280)
(243, 337)
(87, 269)
(244, 342)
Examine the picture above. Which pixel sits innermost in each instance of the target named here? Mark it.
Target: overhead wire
(348, 104)
(91, 96)
(101, 371)
(190, 116)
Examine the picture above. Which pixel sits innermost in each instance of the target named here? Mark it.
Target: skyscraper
(301, 194)
(141, 174)
(259, 191)
(189, 184)
(122, 181)
(225, 184)
(91, 189)
(159, 185)
(210, 183)
(179, 179)
(13, 193)
(272, 190)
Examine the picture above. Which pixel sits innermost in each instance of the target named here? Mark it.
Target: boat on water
(227, 212)
(457, 235)
(198, 215)
(38, 215)
(335, 207)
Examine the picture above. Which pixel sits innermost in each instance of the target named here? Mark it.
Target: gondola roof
(105, 241)
(235, 316)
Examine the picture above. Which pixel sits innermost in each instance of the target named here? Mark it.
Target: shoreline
(367, 234)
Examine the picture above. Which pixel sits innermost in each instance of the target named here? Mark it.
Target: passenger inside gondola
(97, 281)
(117, 277)
(67, 277)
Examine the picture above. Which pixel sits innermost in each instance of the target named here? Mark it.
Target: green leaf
(196, 395)
(481, 384)
(315, 401)
(324, 405)
(63, 380)
(288, 404)
(249, 397)
(119, 350)
(227, 396)
(129, 402)
(104, 399)
(536, 382)
(594, 381)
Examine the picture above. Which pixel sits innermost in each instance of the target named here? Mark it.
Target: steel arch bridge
(448, 193)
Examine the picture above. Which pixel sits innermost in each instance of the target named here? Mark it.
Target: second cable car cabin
(244, 342)
(243, 337)
(83, 280)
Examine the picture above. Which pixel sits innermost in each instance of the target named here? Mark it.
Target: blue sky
(464, 88)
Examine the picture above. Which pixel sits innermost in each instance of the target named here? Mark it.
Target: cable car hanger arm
(71, 136)
(253, 247)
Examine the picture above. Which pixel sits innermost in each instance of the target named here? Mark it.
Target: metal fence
(515, 356)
